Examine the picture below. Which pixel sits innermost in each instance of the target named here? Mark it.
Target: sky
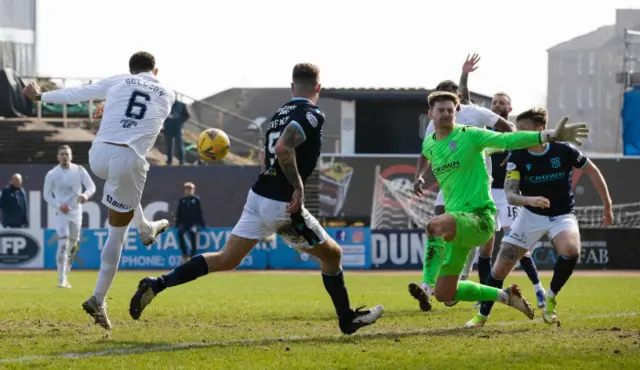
(204, 47)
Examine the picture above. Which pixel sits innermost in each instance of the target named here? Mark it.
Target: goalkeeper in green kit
(456, 154)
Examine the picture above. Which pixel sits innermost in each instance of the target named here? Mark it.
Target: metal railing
(63, 82)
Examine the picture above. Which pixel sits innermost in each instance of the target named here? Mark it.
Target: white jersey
(135, 109)
(64, 185)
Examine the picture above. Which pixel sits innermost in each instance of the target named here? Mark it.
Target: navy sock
(334, 284)
(485, 307)
(193, 269)
(530, 268)
(484, 268)
(561, 272)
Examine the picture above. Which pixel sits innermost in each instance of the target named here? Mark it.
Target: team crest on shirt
(313, 121)
(452, 145)
(555, 162)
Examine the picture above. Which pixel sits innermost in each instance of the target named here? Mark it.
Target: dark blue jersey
(548, 175)
(498, 172)
(272, 183)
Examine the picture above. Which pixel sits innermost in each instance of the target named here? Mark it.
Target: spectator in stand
(189, 219)
(14, 204)
(173, 130)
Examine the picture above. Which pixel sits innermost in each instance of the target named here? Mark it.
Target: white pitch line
(226, 343)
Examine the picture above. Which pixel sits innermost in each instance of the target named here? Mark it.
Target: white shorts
(262, 217)
(124, 172)
(528, 228)
(69, 225)
(506, 212)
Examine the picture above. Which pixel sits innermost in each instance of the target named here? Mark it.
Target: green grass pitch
(270, 320)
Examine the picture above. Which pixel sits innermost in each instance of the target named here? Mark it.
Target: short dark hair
(447, 85)
(502, 93)
(64, 146)
(142, 61)
(438, 96)
(305, 76)
(537, 115)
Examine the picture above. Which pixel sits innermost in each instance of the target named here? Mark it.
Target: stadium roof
(385, 94)
(591, 40)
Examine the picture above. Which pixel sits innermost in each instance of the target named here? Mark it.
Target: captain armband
(512, 175)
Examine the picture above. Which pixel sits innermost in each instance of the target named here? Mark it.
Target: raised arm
(468, 66)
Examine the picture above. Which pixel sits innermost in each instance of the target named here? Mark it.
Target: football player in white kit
(63, 191)
(136, 106)
(468, 114)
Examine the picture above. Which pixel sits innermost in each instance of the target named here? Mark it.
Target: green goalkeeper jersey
(458, 163)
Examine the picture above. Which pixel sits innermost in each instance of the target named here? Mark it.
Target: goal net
(395, 206)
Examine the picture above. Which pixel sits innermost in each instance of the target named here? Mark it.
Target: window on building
(561, 97)
(591, 97)
(609, 100)
(561, 66)
(579, 97)
(579, 65)
(592, 63)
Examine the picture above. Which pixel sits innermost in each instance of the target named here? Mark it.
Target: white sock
(109, 260)
(469, 266)
(551, 293)
(138, 219)
(538, 287)
(62, 258)
(503, 297)
(426, 287)
(72, 243)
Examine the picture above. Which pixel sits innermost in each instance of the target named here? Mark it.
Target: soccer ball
(213, 145)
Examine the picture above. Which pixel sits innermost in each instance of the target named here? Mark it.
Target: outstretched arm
(292, 136)
(71, 95)
(598, 182)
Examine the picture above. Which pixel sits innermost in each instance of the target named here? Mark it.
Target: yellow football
(213, 145)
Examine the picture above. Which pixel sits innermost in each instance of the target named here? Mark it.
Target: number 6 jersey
(135, 109)
(272, 183)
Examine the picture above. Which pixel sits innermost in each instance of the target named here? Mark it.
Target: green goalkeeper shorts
(473, 229)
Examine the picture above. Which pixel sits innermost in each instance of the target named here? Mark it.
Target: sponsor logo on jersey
(555, 162)
(546, 177)
(117, 204)
(452, 145)
(446, 167)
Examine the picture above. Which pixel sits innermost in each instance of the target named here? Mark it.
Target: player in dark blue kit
(501, 105)
(539, 180)
(275, 203)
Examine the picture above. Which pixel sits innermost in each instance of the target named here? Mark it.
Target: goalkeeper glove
(566, 132)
